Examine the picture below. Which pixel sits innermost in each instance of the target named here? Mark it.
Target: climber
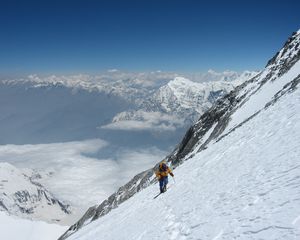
(162, 175)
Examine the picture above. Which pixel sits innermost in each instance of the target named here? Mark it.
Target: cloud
(132, 125)
(112, 70)
(73, 172)
(141, 121)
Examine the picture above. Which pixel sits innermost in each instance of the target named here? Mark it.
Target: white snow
(192, 95)
(12, 228)
(246, 186)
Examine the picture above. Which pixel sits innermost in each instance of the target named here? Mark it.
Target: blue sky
(169, 35)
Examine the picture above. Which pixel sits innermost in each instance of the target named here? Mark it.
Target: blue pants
(163, 184)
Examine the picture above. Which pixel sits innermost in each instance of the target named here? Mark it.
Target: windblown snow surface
(245, 186)
(12, 228)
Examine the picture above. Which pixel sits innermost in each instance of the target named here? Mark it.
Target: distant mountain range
(47, 109)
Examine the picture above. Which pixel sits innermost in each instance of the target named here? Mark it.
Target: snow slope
(246, 186)
(12, 228)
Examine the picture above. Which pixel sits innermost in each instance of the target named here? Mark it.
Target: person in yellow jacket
(162, 175)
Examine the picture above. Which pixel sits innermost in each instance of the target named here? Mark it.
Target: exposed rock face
(213, 125)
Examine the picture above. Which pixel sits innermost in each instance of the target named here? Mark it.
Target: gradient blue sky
(169, 35)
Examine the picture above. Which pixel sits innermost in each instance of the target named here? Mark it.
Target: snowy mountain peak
(189, 99)
(23, 196)
(180, 81)
(183, 87)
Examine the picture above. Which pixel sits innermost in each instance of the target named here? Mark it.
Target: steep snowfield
(246, 186)
(12, 228)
